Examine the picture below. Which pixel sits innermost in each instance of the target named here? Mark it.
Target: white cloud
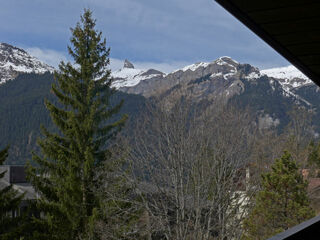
(53, 58)
(116, 64)
(163, 67)
(48, 56)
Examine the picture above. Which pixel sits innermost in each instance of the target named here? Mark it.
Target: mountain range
(153, 82)
(25, 81)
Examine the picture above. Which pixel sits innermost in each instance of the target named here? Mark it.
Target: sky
(161, 34)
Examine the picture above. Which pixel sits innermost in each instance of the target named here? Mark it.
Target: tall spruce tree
(65, 177)
(282, 203)
(9, 202)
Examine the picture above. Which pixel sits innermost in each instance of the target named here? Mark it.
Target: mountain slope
(22, 111)
(128, 76)
(138, 82)
(14, 61)
(270, 94)
(289, 77)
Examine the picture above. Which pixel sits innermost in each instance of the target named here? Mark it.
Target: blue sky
(163, 34)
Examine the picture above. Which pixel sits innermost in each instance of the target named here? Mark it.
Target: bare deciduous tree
(190, 171)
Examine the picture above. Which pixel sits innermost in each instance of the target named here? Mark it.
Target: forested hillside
(22, 111)
(22, 107)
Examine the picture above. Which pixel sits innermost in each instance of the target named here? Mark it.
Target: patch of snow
(271, 82)
(253, 75)
(127, 73)
(129, 77)
(228, 75)
(289, 78)
(289, 72)
(288, 93)
(216, 74)
(193, 67)
(220, 61)
(229, 58)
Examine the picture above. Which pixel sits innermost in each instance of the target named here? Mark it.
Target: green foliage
(282, 203)
(10, 227)
(66, 173)
(314, 154)
(22, 111)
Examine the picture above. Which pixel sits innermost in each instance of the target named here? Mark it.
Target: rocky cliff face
(223, 70)
(15, 60)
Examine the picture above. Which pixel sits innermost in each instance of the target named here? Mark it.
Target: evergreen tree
(314, 156)
(282, 203)
(65, 177)
(9, 202)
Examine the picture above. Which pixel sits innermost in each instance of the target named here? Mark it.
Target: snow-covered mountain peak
(289, 77)
(128, 76)
(226, 60)
(15, 60)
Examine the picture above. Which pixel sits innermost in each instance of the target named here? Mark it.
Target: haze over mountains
(271, 94)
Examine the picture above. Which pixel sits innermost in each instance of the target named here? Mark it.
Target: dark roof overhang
(291, 27)
(307, 230)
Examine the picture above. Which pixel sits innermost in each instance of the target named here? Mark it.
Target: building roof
(16, 176)
(21, 188)
(291, 27)
(307, 230)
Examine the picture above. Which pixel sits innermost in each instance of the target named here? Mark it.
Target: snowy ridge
(289, 77)
(225, 60)
(289, 72)
(14, 60)
(288, 93)
(127, 73)
(193, 67)
(253, 75)
(128, 76)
